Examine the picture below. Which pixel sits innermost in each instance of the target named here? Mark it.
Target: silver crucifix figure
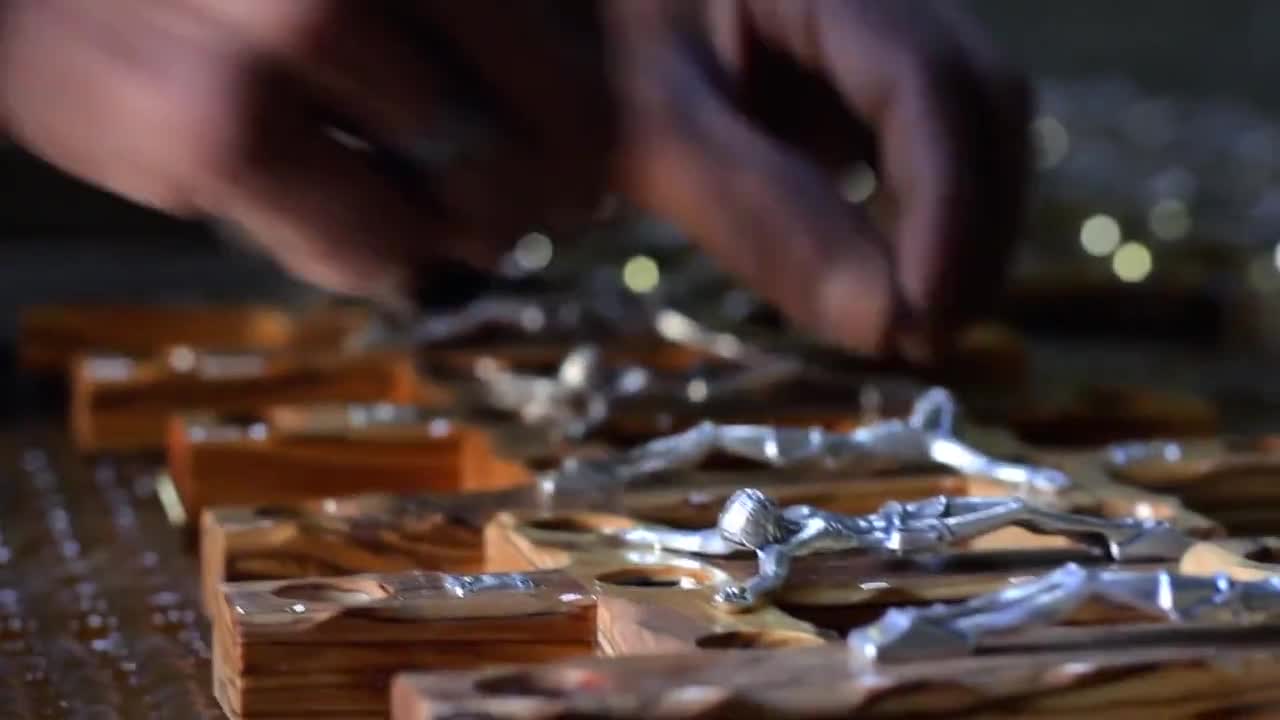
(584, 389)
(926, 437)
(921, 633)
(751, 520)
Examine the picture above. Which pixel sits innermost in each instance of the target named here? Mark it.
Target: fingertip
(854, 304)
(343, 267)
(862, 307)
(917, 341)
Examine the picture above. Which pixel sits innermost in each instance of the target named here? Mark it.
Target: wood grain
(303, 539)
(1236, 481)
(1098, 414)
(50, 336)
(369, 533)
(660, 602)
(664, 606)
(1094, 478)
(380, 533)
(295, 454)
(124, 404)
(1209, 678)
(1245, 559)
(330, 645)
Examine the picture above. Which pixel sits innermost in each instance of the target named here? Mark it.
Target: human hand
(231, 109)
(731, 118)
(738, 116)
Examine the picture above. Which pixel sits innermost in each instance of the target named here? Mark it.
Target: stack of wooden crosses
(664, 520)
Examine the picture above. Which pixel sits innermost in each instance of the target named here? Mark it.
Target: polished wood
(329, 646)
(368, 533)
(654, 601)
(1111, 494)
(829, 590)
(51, 336)
(1236, 481)
(285, 541)
(1245, 559)
(1102, 661)
(1239, 678)
(121, 403)
(1096, 414)
(379, 532)
(294, 453)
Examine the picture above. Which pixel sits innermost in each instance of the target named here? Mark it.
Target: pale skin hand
(727, 117)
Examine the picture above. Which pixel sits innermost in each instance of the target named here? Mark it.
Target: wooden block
(124, 404)
(381, 533)
(50, 336)
(324, 329)
(295, 453)
(327, 647)
(1236, 481)
(1098, 414)
(1208, 679)
(285, 541)
(369, 533)
(693, 499)
(832, 591)
(661, 601)
(987, 355)
(1245, 559)
(1230, 482)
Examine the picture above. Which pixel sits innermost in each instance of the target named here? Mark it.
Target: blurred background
(1155, 231)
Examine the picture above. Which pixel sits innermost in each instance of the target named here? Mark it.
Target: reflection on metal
(467, 585)
(751, 520)
(584, 389)
(906, 634)
(925, 438)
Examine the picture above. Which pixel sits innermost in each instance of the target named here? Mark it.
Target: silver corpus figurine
(922, 633)
(751, 520)
(926, 437)
(580, 396)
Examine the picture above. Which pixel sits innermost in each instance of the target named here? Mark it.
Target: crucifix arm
(774, 564)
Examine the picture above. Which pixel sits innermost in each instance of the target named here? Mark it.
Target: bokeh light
(1051, 140)
(1170, 219)
(697, 390)
(534, 252)
(641, 274)
(1100, 235)
(1132, 262)
(859, 184)
(1261, 272)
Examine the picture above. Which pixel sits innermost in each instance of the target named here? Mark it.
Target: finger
(321, 209)
(927, 140)
(544, 70)
(350, 52)
(768, 85)
(765, 214)
(1009, 101)
(495, 190)
(906, 75)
